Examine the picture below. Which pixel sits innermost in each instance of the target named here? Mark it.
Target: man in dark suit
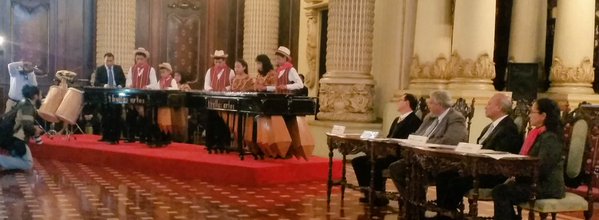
(110, 76)
(401, 127)
(442, 125)
(500, 135)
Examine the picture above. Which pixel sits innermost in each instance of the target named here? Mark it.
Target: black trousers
(505, 196)
(217, 131)
(140, 126)
(451, 187)
(361, 167)
(111, 122)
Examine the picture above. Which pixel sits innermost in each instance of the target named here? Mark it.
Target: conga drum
(165, 119)
(71, 106)
(51, 103)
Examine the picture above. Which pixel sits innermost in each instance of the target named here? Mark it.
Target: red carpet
(185, 161)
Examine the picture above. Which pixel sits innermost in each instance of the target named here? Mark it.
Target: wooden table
(424, 163)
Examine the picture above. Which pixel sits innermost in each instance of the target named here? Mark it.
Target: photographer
(16, 128)
(21, 74)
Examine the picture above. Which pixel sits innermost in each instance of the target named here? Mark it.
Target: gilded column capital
(469, 74)
(583, 73)
(481, 68)
(437, 70)
(572, 79)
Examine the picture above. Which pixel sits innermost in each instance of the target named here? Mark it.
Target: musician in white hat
(21, 74)
(167, 81)
(288, 78)
(220, 76)
(142, 75)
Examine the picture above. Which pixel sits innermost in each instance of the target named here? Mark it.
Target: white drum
(51, 103)
(71, 106)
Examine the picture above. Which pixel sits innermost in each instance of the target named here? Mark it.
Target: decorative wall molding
(583, 73)
(429, 70)
(347, 102)
(481, 68)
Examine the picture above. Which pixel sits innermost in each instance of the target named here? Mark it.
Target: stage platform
(185, 161)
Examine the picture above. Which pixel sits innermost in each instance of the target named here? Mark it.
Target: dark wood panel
(206, 25)
(54, 34)
(289, 26)
(182, 43)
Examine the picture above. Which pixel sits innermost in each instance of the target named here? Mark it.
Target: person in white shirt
(287, 79)
(219, 77)
(142, 75)
(21, 74)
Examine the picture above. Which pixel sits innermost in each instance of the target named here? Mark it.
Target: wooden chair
(581, 145)
(467, 111)
(422, 109)
(520, 115)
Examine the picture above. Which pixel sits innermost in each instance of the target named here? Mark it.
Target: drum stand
(70, 130)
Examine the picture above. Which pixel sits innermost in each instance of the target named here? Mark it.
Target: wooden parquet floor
(57, 190)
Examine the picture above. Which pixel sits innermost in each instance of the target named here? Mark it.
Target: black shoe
(114, 142)
(381, 201)
(102, 140)
(130, 141)
(363, 200)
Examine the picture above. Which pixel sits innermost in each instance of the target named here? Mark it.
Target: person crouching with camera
(16, 128)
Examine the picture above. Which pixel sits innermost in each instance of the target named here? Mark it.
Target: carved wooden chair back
(466, 110)
(422, 109)
(520, 115)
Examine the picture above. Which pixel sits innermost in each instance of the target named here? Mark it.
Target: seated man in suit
(500, 135)
(401, 127)
(442, 125)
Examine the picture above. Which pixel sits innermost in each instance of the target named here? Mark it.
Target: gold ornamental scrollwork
(482, 68)
(435, 70)
(346, 102)
(584, 73)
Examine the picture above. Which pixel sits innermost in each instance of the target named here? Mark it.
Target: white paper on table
(369, 134)
(417, 139)
(501, 156)
(468, 147)
(338, 130)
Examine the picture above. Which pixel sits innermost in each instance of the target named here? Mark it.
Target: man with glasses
(402, 127)
(442, 125)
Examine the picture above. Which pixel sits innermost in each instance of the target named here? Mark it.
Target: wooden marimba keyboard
(265, 124)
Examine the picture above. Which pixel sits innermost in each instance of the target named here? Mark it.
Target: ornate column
(572, 68)
(432, 45)
(115, 31)
(312, 48)
(347, 89)
(527, 31)
(260, 30)
(471, 66)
